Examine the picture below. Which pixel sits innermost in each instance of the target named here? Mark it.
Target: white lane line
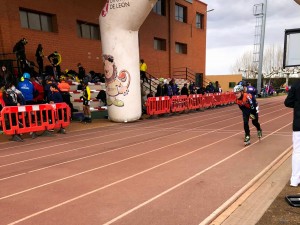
(91, 138)
(255, 181)
(145, 171)
(31, 159)
(113, 163)
(63, 152)
(184, 182)
(81, 158)
(188, 117)
(156, 124)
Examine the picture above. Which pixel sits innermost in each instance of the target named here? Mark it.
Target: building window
(181, 48)
(36, 21)
(160, 44)
(160, 7)
(232, 84)
(199, 21)
(180, 13)
(88, 30)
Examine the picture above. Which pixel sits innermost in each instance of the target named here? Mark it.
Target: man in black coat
(19, 50)
(293, 101)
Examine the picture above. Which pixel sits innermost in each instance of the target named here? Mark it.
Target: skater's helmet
(238, 88)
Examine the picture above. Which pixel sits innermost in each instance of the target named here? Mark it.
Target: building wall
(224, 80)
(75, 49)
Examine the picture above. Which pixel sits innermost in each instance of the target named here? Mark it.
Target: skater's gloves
(252, 116)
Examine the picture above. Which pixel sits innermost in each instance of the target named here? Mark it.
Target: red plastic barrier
(158, 105)
(179, 103)
(25, 119)
(208, 100)
(62, 115)
(33, 118)
(232, 97)
(195, 101)
(218, 99)
(226, 98)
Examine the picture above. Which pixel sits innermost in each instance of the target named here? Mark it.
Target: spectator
(143, 98)
(293, 101)
(167, 89)
(39, 90)
(218, 88)
(184, 90)
(210, 88)
(201, 90)
(192, 88)
(54, 95)
(5, 76)
(159, 88)
(143, 70)
(86, 96)
(39, 54)
(81, 72)
(19, 50)
(55, 60)
(64, 89)
(10, 98)
(174, 87)
(27, 89)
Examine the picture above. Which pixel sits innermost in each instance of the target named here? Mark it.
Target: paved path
(182, 169)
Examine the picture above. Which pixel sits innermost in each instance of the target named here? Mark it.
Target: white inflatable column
(120, 21)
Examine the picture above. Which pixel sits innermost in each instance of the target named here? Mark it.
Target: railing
(184, 73)
(188, 74)
(153, 82)
(12, 63)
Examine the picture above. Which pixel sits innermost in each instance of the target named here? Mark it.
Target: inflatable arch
(120, 21)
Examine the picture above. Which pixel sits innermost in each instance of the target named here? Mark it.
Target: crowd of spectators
(171, 88)
(49, 84)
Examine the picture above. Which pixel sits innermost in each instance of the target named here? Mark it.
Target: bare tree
(273, 56)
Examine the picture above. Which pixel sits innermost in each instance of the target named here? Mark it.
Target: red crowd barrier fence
(208, 100)
(34, 118)
(218, 99)
(158, 105)
(179, 103)
(195, 101)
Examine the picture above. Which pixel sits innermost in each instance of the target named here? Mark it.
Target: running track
(172, 170)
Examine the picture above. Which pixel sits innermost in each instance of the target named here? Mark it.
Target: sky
(231, 29)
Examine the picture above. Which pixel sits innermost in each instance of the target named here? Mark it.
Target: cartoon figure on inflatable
(120, 21)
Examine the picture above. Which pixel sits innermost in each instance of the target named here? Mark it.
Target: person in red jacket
(39, 90)
(248, 106)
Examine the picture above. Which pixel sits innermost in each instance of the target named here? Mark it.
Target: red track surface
(172, 170)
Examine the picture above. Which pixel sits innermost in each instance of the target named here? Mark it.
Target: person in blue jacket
(27, 89)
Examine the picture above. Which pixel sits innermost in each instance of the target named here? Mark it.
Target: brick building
(173, 35)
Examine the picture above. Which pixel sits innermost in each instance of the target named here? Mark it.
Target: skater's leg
(246, 129)
(257, 125)
(295, 178)
(246, 124)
